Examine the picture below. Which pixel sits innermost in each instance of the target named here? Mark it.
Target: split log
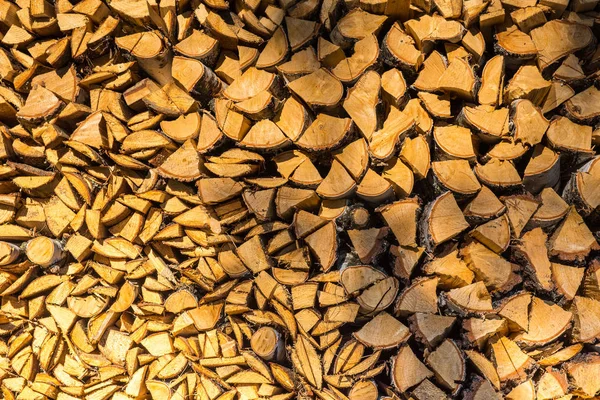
(442, 220)
(263, 199)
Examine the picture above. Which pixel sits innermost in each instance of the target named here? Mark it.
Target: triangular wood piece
(329, 54)
(325, 133)
(584, 187)
(218, 190)
(442, 220)
(552, 383)
(546, 323)
(530, 124)
(428, 391)
(516, 310)
(198, 217)
(586, 321)
(457, 176)
(494, 234)
(520, 209)
(481, 389)
(569, 70)
(490, 268)
(421, 296)
(448, 365)
(429, 76)
(511, 362)
(401, 217)
(406, 259)
(252, 253)
(300, 31)
(368, 242)
(408, 370)
(306, 223)
(41, 105)
(288, 199)
(479, 330)
(484, 366)
(382, 332)
(323, 244)
(524, 391)
(374, 189)
(354, 157)
(484, 206)
(302, 62)
(260, 203)
(359, 277)
(383, 142)
(552, 210)
(451, 270)
(306, 175)
(319, 89)
(361, 103)
(572, 240)
(431, 329)
(92, 131)
(184, 164)
(415, 153)
(583, 373)
(532, 248)
(337, 184)
(275, 50)
(473, 298)
(567, 279)
(492, 81)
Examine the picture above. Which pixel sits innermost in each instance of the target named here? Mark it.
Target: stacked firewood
(296, 199)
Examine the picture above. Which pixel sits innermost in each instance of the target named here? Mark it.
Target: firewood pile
(299, 199)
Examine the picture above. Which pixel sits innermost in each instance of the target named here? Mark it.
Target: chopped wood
(448, 365)
(408, 370)
(299, 199)
(442, 220)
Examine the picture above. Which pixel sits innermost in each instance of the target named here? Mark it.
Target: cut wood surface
(299, 199)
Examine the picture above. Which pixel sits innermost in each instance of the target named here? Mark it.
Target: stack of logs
(296, 199)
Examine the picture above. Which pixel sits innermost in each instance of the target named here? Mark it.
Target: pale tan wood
(566, 135)
(319, 89)
(537, 257)
(489, 123)
(442, 221)
(433, 69)
(456, 175)
(355, 26)
(365, 92)
(492, 81)
(572, 240)
(371, 333)
(383, 142)
(448, 365)
(431, 329)
(399, 49)
(200, 199)
(44, 251)
(451, 270)
(578, 37)
(511, 363)
(520, 209)
(473, 298)
(527, 83)
(401, 217)
(405, 377)
(419, 297)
